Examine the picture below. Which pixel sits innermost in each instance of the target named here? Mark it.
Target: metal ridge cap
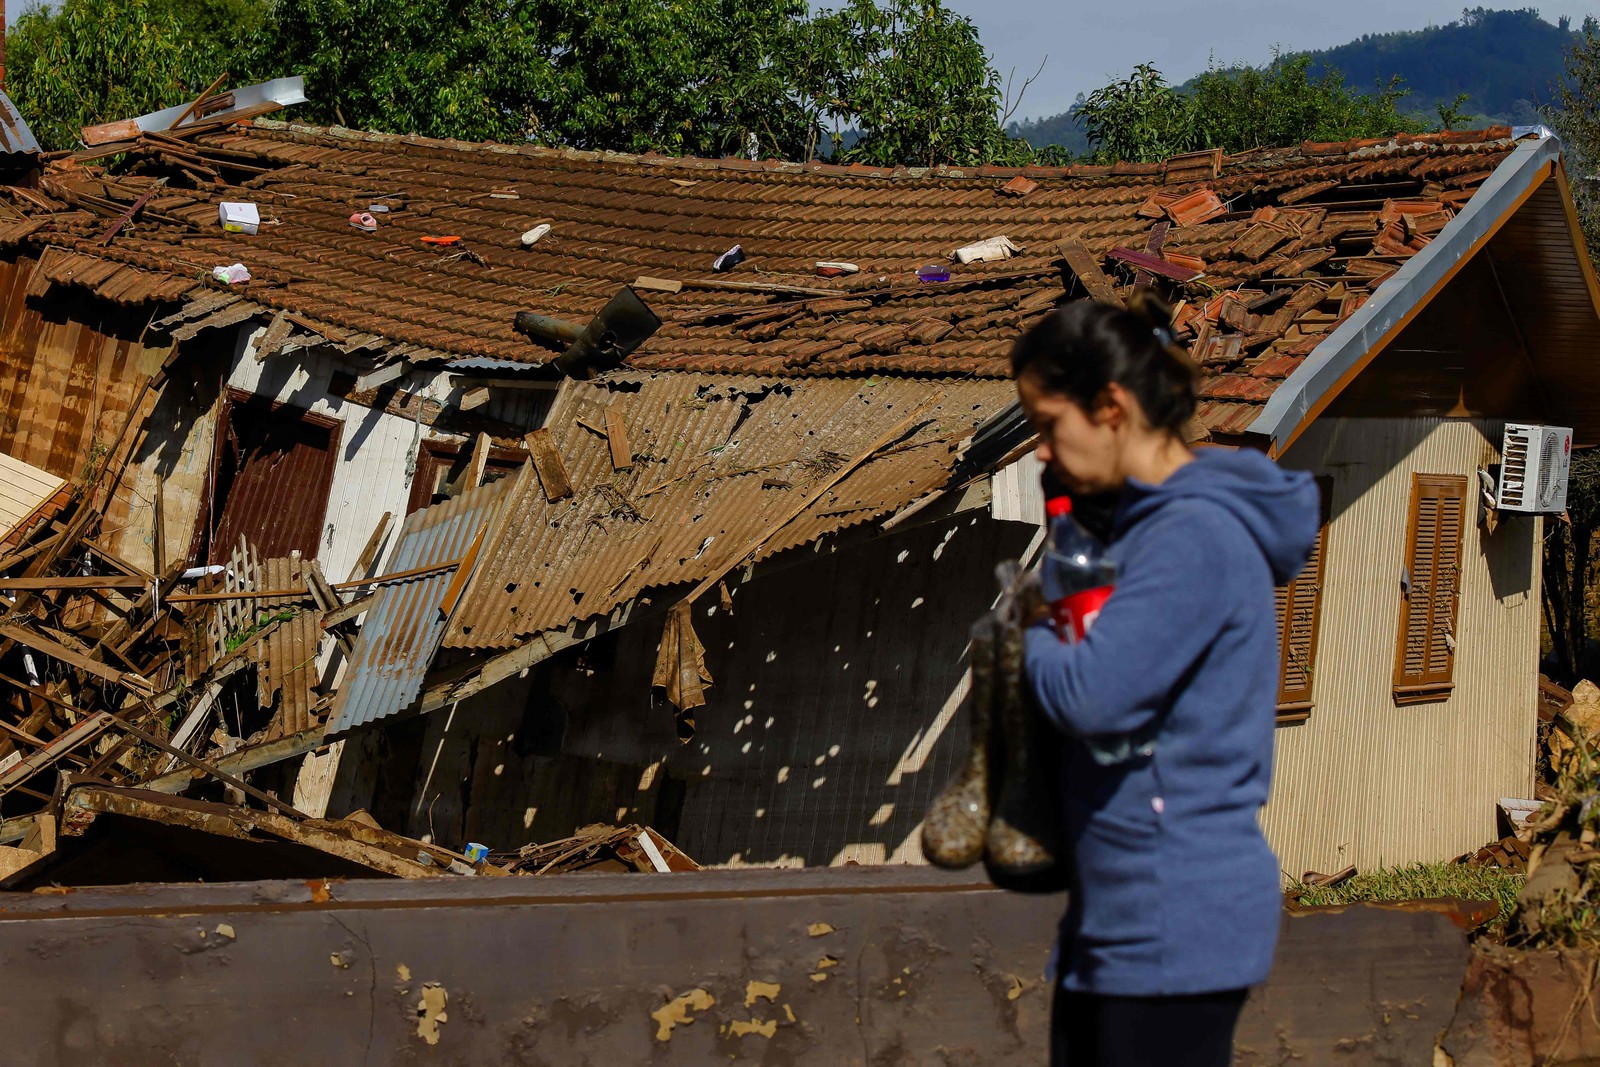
(1320, 371)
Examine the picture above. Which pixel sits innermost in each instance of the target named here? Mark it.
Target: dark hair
(1084, 346)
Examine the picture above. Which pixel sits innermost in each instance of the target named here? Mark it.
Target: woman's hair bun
(1082, 347)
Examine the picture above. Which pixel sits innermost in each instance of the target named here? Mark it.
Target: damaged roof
(713, 463)
(1266, 250)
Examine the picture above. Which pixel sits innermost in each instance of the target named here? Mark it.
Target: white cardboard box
(239, 217)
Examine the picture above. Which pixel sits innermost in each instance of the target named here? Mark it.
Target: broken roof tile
(617, 218)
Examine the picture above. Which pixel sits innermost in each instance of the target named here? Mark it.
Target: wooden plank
(1153, 244)
(92, 581)
(197, 101)
(369, 555)
(75, 736)
(473, 399)
(1087, 270)
(382, 375)
(660, 285)
(548, 465)
(617, 438)
(340, 616)
(477, 462)
(133, 209)
(243, 760)
(1154, 264)
(458, 581)
(57, 651)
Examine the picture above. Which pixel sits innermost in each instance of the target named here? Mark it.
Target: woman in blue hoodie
(1174, 893)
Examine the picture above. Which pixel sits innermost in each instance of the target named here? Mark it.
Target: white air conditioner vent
(1534, 461)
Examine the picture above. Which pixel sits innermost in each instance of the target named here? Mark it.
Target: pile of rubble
(114, 684)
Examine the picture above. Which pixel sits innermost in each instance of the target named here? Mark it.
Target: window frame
(1432, 683)
(1296, 705)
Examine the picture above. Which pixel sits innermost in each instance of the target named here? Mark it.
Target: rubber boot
(953, 830)
(1024, 848)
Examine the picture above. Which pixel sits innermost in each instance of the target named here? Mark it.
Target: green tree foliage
(1142, 119)
(90, 61)
(911, 78)
(908, 78)
(1505, 61)
(690, 77)
(1569, 546)
(1286, 102)
(1575, 116)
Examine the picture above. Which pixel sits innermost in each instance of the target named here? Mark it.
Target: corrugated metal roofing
(715, 461)
(15, 136)
(402, 628)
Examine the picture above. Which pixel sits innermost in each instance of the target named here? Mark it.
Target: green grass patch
(1424, 880)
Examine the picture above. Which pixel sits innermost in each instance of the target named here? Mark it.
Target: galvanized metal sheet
(15, 136)
(402, 629)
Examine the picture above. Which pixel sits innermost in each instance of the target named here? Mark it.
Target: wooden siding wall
(70, 367)
(1363, 781)
(834, 719)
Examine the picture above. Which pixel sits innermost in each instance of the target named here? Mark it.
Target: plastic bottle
(1076, 576)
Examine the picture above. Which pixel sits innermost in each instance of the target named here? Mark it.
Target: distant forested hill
(1505, 61)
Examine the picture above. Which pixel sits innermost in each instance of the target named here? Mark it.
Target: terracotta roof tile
(617, 217)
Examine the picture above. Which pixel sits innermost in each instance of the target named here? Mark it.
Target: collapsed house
(542, 488)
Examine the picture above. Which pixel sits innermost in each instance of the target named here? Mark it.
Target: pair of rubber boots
(1004, 806)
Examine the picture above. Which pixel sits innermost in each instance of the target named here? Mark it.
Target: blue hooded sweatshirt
(1175, 889)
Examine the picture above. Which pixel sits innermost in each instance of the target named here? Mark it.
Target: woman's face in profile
(1082, 447)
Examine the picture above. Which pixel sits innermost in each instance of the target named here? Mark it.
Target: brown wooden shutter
(1424, 667)
(1299, 618)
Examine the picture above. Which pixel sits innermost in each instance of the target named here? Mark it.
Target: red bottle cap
(1058, 506)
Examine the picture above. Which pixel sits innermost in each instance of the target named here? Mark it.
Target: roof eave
(1334, 362)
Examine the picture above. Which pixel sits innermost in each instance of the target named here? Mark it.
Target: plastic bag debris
(236, 274)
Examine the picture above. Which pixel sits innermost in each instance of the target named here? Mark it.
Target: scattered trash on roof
(934, 272)
(833, 269)
(729, 259)
(239, 217)
(532, 237)
(986, 251)
(363, 220)
(234, 274)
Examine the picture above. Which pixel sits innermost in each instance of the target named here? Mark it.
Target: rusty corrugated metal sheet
(278, 497)
(716, 460)
(288, 665)
(68, 375)
(402, 628)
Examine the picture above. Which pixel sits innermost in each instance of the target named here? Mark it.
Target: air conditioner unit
(1534, 461)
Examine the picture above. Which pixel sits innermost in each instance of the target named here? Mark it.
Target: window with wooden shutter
(1424, 666)
(1299, 617)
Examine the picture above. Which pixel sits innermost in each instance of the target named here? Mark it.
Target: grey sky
(1088, 44)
